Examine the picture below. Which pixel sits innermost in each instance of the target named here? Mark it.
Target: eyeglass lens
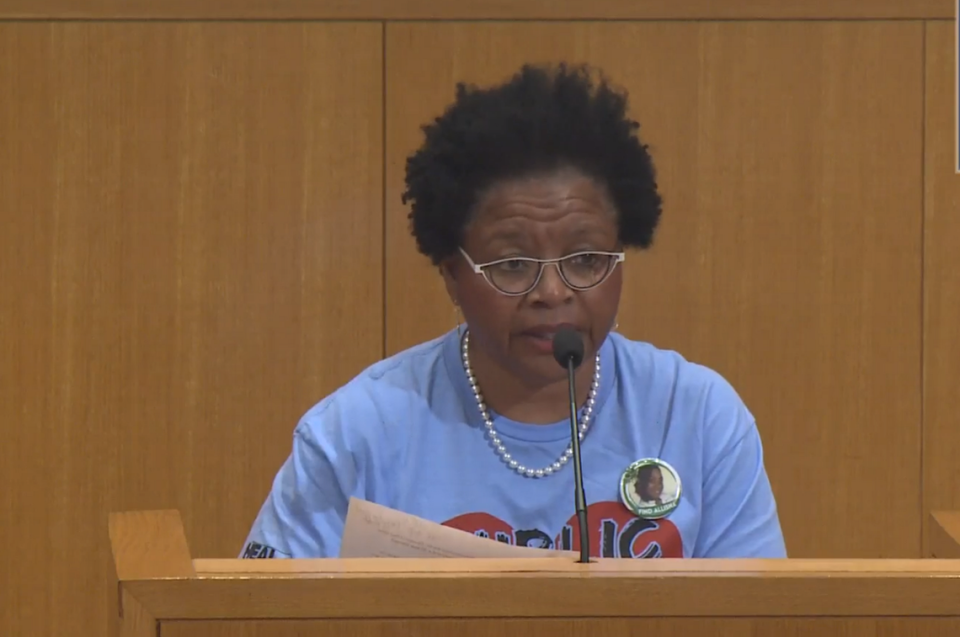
(579, 271)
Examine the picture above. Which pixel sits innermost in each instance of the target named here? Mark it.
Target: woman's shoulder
(645, 364)
(644, 357)
(406, 366)
(384, 388)
(691, 394)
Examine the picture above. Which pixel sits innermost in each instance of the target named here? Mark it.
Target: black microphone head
(567, 346)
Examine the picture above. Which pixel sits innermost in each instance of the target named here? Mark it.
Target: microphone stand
(580, 498)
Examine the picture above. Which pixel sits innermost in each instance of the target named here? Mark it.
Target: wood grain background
(201, 236)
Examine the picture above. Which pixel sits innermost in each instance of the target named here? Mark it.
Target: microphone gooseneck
(568, 352)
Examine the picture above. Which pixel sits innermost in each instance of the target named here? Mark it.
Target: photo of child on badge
(650, 488)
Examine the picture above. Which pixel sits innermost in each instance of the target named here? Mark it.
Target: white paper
(372, 530)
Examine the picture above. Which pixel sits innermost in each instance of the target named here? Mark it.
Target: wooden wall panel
(789, 258)
(190, 236)
(941, 278)
(176, 200)
(479, 9)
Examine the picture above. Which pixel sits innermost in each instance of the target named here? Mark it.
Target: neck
(533, 401)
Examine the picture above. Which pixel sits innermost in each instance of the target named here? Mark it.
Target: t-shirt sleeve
(304, 513)
(739, 517)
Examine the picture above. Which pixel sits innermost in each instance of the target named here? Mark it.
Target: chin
(542, 369)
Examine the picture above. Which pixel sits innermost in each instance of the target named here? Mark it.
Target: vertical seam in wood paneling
(383, 183)
(923, 283)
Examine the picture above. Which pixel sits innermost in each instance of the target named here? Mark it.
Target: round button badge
(650, 488)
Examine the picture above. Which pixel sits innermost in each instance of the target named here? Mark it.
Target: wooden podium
(165, 593)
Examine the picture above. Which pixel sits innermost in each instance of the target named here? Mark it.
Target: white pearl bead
(498, 445)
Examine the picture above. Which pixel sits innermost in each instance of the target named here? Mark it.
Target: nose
(551, 288)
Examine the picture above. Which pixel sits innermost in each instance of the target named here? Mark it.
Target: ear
(448, 272)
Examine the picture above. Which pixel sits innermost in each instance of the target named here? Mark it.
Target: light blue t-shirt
(407, 434)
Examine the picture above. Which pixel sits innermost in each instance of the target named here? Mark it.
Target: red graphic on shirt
(614, 532)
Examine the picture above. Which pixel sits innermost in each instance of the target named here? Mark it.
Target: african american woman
(525, 196)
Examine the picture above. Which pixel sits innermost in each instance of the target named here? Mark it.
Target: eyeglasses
(517, 276)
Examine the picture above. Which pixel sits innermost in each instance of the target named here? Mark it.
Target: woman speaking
(526, 196)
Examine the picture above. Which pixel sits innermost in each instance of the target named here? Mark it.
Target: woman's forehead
(557, 208)
(550, 194)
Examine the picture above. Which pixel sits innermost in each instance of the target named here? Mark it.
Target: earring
(456, 313)
(616, 324)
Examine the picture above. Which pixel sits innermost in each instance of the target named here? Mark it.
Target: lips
(547, 332)
(539, 338)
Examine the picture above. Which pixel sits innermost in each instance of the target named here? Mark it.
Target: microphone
(568, 351)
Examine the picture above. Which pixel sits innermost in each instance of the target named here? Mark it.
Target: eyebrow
(508, 236)
(579, 232)
(586, 231)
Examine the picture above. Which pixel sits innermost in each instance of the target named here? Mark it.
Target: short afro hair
(544, 118)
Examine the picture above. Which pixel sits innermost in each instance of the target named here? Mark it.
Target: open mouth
(541, 337)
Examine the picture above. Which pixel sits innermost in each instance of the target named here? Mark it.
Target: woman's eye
(514, 265)
(585, 260)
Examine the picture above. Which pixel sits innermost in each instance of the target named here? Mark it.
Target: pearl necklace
(495, 437)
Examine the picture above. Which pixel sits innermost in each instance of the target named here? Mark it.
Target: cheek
(615, 288)
(487, 310)
(602, 303)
